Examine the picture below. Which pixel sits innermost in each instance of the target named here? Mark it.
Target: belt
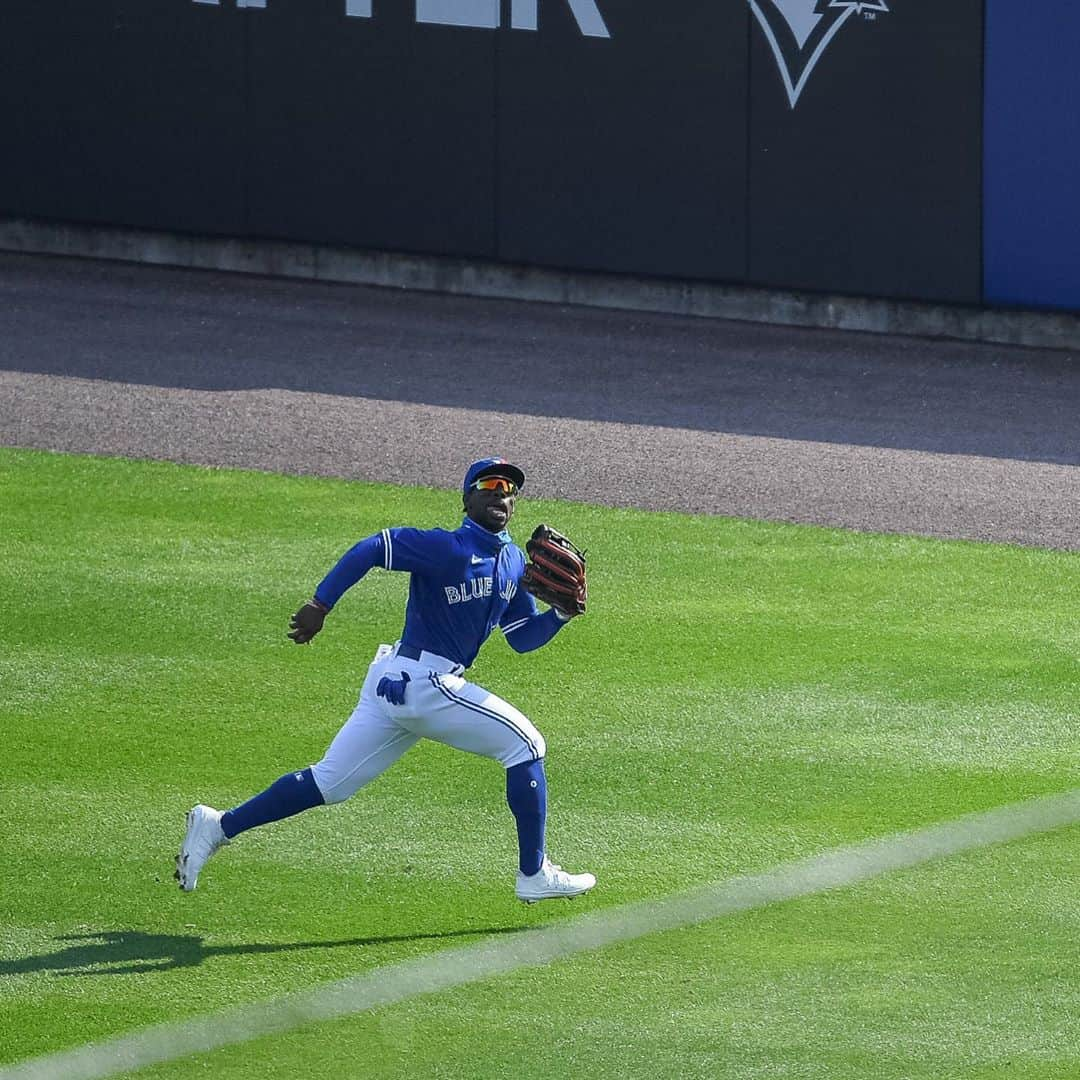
(437, 663)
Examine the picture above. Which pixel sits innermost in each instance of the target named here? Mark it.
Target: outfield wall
(1032, 141)
(833, 147)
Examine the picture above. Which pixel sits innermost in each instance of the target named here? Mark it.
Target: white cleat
(552, 882)
(203, 837)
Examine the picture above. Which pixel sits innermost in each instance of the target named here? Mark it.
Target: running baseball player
(463, 584)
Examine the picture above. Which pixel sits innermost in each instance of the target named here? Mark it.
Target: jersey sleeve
(524, 627)
(391, 549)
(417, 551)
(520, 610)
(524, 635)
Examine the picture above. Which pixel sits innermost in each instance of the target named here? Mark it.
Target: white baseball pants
(439, 704)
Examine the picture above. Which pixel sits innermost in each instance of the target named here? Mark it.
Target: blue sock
(286, 796)
(526, 795)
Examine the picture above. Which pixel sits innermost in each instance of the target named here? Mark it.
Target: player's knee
(533, 750)
(333, 789)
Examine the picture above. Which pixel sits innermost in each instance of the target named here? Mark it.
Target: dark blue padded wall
(125, 112)
(821, 145)
(1031, 206)
(866, 148)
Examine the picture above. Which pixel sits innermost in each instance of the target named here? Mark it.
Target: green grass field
(740, 694)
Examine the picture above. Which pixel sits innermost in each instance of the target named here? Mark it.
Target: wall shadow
(197, 330)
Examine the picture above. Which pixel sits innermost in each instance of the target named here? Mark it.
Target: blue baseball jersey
(463, 584)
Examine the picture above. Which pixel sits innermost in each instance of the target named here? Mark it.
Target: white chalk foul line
(456, 967)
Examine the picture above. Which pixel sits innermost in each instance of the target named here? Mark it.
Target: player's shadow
(132, 952)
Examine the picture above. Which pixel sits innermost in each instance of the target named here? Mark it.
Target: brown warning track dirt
(618, 408)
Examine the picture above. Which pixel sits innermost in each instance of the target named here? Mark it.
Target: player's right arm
(412, 550)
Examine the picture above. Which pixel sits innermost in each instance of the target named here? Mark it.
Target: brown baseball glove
(555, 572)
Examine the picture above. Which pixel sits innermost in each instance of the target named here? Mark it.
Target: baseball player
(463, 584)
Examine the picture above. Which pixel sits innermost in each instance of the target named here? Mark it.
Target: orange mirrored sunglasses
(496, 483)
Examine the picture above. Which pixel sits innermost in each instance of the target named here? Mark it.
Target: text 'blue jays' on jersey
(463, 584)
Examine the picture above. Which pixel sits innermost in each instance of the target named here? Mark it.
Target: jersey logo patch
(477, 589)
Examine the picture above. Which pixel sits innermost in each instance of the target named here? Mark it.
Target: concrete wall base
(471, 277)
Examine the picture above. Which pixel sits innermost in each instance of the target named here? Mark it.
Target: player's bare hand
(307, 622)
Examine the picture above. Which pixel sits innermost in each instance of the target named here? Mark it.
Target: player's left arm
(524, 627)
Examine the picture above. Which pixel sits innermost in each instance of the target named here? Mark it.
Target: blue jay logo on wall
(799, 32)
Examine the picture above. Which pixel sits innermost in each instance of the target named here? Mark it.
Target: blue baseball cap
(493, 466)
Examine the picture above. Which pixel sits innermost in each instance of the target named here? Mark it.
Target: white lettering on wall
(477, 14)
(482, 14)
(523, 16)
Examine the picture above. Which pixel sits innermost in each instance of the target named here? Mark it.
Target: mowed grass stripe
(499, 955)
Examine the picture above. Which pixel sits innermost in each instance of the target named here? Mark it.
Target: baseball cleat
(552, 882)
(203, 837)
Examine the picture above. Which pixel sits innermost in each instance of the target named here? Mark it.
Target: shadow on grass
(132, 952)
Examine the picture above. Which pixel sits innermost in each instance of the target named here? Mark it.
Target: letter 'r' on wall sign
(523, 16)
